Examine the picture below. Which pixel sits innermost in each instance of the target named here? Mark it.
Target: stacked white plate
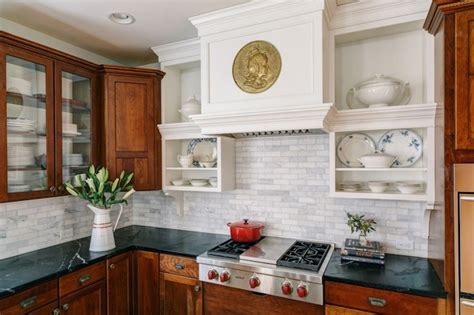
(20, 155)
(18, 188)
(70, 130)
(73, 159)
(18, 85)
(20, 125)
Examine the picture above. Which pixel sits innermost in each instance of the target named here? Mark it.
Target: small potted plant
(101, 194)
(358, 223)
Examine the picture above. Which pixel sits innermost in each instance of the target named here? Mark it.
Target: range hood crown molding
(298, 117)
(252, 13)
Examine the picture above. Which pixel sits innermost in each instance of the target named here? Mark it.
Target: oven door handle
(468, 303)
(467, 198)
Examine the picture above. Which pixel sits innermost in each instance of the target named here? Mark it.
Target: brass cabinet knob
(112, 266)
(56, 311)
(52, 189)
(65, 307)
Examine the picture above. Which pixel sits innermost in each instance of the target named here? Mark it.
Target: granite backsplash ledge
(284, 182)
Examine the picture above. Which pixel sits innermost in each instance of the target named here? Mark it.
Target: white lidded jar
(190, 107)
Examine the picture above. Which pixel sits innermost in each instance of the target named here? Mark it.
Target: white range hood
(297, 29)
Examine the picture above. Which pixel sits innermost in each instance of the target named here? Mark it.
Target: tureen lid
(379, 79)
(191, 101)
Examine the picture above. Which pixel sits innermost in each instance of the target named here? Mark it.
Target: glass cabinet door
(75, 113)
(29, 125)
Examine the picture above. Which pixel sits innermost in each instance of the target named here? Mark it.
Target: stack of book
(371, 253)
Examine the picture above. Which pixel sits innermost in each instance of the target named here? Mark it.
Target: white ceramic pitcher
(102, 238)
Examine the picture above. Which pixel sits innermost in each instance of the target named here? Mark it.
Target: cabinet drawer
(378, 301)
(81, 278)
(30, 299)
(179, 265)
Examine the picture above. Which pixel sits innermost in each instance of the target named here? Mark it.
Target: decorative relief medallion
(256, 66)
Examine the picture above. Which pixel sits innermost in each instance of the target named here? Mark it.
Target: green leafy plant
(95, 188)
(358, 223)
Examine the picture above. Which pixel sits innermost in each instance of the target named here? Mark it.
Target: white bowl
(378, 187)
(207, 164)
(408, 187)
(199, 182)
(213, 181)
(377, 160)
(180, 182)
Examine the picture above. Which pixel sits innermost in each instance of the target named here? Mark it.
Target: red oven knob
(254, 281)
(286, 288)
(302, 290)
(225, 276)
(212, 274)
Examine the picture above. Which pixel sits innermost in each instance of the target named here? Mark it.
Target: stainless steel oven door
(467, 307)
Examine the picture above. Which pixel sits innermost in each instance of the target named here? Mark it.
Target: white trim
(178, 52)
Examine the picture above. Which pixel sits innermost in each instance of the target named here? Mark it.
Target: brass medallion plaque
(256, 67)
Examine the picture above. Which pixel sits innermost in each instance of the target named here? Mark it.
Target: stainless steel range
(276, 266)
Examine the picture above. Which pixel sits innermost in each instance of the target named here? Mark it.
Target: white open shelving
(181, 62)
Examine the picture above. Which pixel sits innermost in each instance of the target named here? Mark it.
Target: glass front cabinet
(48, 121)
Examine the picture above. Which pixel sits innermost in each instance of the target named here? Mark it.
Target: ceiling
(85, 23)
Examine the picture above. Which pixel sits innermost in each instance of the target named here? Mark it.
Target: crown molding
(252, 13)
(174, 53)
(440, 8)
(184, 130)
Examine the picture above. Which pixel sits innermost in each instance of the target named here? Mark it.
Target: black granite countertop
(404, 274)
(22, 271)
(401, 273)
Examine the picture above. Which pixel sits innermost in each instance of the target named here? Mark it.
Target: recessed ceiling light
(122, 18)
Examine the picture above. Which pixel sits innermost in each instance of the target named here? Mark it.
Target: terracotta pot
(245, 231)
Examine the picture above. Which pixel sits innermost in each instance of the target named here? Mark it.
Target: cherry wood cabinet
(48, 119)
(132, 112)
(180, 288)
(91, 300)
(31, 301)
(338, 310)
(146, 291)
(120, 284)
(375, 301)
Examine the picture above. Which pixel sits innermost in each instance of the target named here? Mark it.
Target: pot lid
(378, 153)
(245, 223)
(379, 79)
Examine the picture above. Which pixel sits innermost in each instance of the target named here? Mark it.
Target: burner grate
(304, 255)
(231, 249)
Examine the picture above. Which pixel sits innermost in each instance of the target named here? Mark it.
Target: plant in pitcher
(358, 223)
(101, 194)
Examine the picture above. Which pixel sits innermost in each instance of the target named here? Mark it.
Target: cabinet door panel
(76, 118)
(27, 145)
(147, 273)
(91, 300)
(50, 309)
(180, 295)
(130, 125)
(119, 284)
(464, 102)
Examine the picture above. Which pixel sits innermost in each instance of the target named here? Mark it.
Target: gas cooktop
(277, 266)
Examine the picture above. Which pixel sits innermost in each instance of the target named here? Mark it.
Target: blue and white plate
(405, 144)
(352, 147)
(202, 149)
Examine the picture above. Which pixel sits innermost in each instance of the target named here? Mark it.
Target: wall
(283, 181)
(35, 224)
(33, 35)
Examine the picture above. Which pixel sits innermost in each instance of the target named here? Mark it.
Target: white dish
(377, 160)
(190, 107)
(67, 133)
(378, 91)
(14, 110)
(213, 181)
(18, 85)
(405, 144)
(350, 186)
(207, 164)
(378, 187)
(352, 147)
(204, 149)
(18, 188)
(180, 182)
(199, 182)
(408, 187)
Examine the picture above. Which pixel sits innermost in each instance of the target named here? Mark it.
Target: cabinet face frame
(94, 116)
(48, 63)
(193, 303)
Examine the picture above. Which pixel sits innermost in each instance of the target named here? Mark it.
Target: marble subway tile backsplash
(35, 224)
(284, 182)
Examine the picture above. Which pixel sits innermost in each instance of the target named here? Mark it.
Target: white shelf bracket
(179, 199)
(426, 220)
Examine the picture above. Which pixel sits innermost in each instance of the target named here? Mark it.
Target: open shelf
(207, 188)
(388, 195)
(191, 168)
(392, 169)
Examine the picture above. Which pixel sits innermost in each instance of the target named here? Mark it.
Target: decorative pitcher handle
(118, 218)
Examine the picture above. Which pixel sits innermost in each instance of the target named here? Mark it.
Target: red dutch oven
(245, 231)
